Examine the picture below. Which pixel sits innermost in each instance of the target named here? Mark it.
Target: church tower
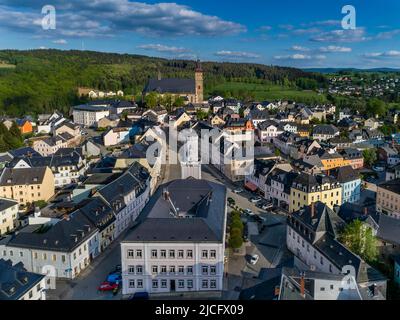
(199, 80)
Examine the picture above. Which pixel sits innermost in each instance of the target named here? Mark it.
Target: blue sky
(304, 33)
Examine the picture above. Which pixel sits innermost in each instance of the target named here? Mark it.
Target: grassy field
(6, 65)
(266, 92)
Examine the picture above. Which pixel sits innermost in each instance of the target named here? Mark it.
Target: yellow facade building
(27, 185)
(307, 189)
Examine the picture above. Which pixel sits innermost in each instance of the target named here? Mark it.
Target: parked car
(267, 205)
(237, 191)
(114, 278)
(248, 212)
(140, 296)
(255, 199)
(107, 286)
(254, 259)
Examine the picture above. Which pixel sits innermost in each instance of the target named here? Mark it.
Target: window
(163, 269)
(171, 269)
(30, 294)
(180, 254)
(138, 253)
(154, 269)
(322, 289)
(204, 270)
(163, 284)
(163, 254)
(190, 270)
(213, 254)
(131, 269)
(322, 260)
(181, 284)
(130, 254)
(54, 257)
(172, 254)
(190, 284)
(213, 270)
(139, 269)
(204, 284)
(63, 258)
(131, 283)
(181, 269)
(189, 254)
(140, 283)
(204, 254)
(213, 284)
(155, 284)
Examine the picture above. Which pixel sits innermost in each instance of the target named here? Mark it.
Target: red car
(107, 286)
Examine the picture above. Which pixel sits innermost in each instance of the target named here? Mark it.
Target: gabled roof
(171, 86)
(15, 281)
(64, 236)
(23, 176)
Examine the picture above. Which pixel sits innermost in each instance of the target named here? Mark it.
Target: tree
(201, 115)
(359, 238)
(370, 156)
(151, 100)
(277, 152)
(236, 239)
(376, 107)
(179, 102)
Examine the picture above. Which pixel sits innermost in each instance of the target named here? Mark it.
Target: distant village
(82, 187)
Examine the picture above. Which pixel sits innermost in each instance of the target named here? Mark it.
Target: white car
(249, 212)
(254, 259)
(255, 200)
(237, 191)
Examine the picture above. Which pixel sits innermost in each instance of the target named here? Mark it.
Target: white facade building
(89, 115)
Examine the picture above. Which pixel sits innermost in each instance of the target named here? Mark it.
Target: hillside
(44, 80)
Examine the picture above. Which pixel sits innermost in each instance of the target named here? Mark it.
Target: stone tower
(199, 79)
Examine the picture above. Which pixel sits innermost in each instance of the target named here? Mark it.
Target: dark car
(140, 296)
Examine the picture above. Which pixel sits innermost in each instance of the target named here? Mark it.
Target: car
(254, 259)
(140, 296)
(114, 278)
(267, 206)
(237, 191)
(248, 212)
(378, 168)
(255, 199)
(107, 286)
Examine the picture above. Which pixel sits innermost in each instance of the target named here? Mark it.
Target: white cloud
(357, 35)
(387, 54)
(299, 56)
(60, 41)
(163, 48)
(300, 48)
(335, 49)
(110, 17)
(237, 54)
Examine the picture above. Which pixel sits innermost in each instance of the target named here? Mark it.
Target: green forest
(37, 81)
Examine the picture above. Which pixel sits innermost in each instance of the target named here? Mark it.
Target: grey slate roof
(24, 176)
(171, 86)
(393, 186)
(64, 236)
(15, 281)
(345, 174)
(326, 129)
(204, 201)
(7, 203)
(389, 229)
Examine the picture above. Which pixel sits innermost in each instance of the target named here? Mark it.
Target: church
(192, 90)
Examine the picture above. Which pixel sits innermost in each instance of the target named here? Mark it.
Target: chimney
(277, 291)
(312, 210)
(365, 211)
(302, 284)
(166, 195)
